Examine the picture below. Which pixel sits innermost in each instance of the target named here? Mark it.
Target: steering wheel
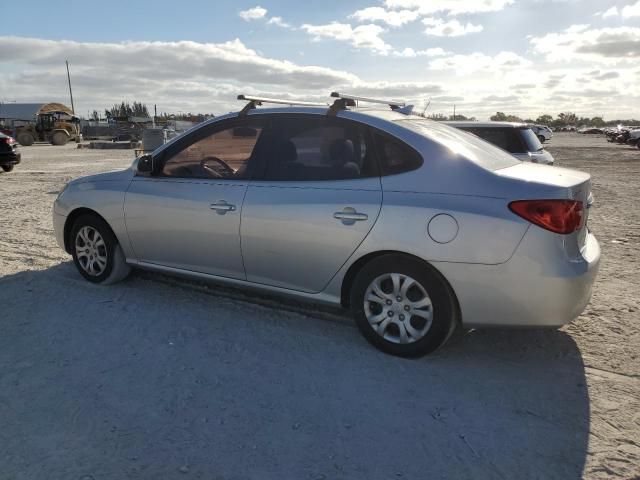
(221, 170)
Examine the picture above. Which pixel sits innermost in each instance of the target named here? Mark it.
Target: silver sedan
(414, 226)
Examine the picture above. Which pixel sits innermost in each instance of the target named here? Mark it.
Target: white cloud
(254, 13)
(580, 42)
(450, 28)
(362, 36)
(465, 64)
(259, 13)
(394, 18)
(451, 7)
(278, 21)
(429, 52)
(196, 77)
(612, 12)
(631, 10)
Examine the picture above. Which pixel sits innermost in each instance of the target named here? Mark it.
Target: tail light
(7, 140)
(558, 216)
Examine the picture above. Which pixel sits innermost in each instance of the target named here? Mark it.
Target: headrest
(287, 151)
(341, 152)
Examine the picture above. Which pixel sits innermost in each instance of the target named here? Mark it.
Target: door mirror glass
(145, 164)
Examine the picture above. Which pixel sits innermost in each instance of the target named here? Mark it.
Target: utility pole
(454, 112)
(70, 91)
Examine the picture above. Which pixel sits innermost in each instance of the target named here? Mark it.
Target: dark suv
(9, 153)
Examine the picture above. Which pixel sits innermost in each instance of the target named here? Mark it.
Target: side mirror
(145, 164)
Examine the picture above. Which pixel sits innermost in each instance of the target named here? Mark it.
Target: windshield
(531, 140)
(466, 144)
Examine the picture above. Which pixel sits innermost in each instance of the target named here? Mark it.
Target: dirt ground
(157, 378)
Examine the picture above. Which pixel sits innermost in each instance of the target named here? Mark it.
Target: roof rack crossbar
(258, 101)
(394, 104)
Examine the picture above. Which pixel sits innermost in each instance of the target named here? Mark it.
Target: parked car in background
(516, 138)
(591, 131)
(634, 138)
(9, 152)
(543, 133)
(414, 226)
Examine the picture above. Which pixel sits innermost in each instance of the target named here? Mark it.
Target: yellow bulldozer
(53, 123)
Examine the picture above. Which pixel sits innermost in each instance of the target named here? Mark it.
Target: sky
(522, 57)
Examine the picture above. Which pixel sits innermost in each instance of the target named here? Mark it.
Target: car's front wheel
(96, 252)
(7, 168)
(403, 306)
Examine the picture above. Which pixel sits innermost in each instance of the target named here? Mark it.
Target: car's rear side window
(395, 156)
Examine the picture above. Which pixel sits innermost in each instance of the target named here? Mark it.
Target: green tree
(544, 119)
(125, 110)
(567, 118)
(502, 117)
(438, 117)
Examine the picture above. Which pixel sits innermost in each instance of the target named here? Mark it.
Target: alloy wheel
(398, 308)
(91, 251)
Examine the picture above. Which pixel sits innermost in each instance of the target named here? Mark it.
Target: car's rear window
(470, 146)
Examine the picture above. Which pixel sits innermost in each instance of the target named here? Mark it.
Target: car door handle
(349, 216)
(222, 207)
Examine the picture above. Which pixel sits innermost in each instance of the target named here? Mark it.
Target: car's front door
(316, 200)
(187, 214)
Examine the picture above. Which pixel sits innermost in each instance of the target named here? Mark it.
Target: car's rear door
(317, 198)
(187, 214)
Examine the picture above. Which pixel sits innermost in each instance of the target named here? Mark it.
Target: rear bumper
(527, 291)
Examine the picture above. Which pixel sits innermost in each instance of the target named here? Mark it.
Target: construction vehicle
(51, 122)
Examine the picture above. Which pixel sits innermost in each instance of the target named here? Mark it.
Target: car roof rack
(343, 101)
(257, 101)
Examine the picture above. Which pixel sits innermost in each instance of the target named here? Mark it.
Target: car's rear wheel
(403, 306)
(7, 168)
(96, 252)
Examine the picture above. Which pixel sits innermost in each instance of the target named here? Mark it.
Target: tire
(541, 138)
(26, 139)
(428, 330)
(97, 261)
(59, 138)
(7, 168)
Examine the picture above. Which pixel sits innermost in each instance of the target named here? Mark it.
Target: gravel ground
(161, 378)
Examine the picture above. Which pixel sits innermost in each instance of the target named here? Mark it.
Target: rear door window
(317, 148)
